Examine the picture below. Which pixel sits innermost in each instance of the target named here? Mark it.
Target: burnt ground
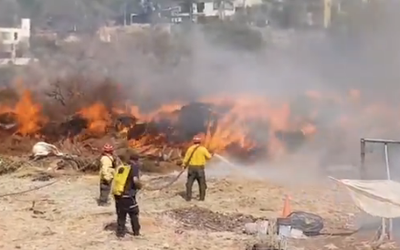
(198, 218)
(65, 215)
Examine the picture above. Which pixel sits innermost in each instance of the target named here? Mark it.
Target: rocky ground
(65, 215)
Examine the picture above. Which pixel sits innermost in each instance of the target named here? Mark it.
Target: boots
(120, 232)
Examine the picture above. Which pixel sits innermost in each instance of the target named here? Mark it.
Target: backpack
(120, 179)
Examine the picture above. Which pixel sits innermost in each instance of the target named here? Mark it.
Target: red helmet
(108, 148)
(196, 139)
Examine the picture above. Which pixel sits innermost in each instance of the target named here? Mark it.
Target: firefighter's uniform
(126, 185)
(195, 159)
(106, 177)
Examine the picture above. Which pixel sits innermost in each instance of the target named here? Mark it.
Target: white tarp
(44, 149)
(376, 197)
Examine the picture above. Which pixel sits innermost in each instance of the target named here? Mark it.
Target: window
(200, 7)
(216, 5)
(5, 35)
(229, 6)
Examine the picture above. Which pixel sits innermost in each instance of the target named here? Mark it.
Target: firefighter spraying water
(195, 160)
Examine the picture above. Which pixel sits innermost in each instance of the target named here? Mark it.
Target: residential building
(210, 8)
(14, 44)
(11, 37)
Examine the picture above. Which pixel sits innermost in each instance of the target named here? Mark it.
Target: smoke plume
(343, 82)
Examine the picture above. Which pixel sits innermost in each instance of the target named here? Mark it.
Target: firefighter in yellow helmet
(195, 160)
(107, 166)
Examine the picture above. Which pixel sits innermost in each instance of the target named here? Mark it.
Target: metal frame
(363, 143)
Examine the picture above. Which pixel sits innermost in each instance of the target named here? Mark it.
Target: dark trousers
(196, 174)
(105, 189)
(127, 206)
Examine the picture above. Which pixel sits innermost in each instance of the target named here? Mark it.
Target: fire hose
(28, 190)
(170, 183)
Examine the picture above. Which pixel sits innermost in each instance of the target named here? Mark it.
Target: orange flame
(237, 124)
(98, 118)
(29, 115)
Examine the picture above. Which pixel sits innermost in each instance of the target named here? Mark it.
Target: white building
(14, 43)
(247, 3)
(11, 37)
(210, 8)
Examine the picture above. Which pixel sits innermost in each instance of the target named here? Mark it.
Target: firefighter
(107, 166)
(126, 184)
(195, 160)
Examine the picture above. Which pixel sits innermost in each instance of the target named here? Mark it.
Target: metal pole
(125, 14)
(362, 163)
(380, 141)
(389, 178)
(13, 52)
(387, 162)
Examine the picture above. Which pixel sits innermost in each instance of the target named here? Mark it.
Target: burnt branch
(56, 93)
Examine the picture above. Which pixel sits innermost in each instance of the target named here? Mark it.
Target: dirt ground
(65, 215)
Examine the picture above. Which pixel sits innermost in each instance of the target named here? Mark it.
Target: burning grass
(79, 114)
(73, 111)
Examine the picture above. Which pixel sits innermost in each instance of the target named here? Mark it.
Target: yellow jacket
(106, 168)
(199, 158)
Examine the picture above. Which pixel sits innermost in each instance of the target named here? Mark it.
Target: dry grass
(66, 216)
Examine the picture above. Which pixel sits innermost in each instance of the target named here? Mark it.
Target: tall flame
(28, 114)
(98, 118)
